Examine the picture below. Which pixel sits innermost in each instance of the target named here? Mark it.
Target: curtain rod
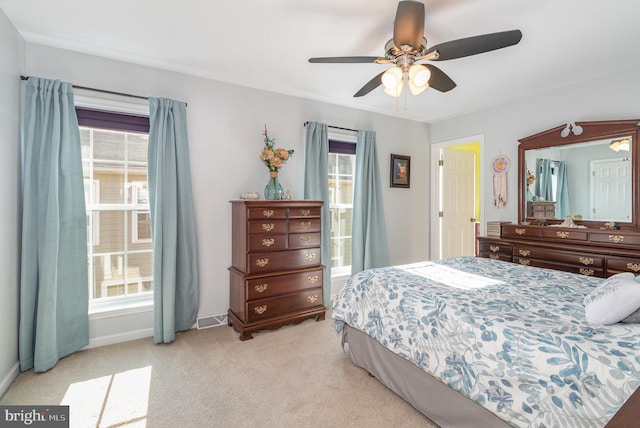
(103, 91)
(99, 90)
(336, 127)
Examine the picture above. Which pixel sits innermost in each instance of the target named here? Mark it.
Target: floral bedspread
(512, 338)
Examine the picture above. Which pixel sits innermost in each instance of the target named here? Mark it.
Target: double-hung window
(342, 161)
(114, 158)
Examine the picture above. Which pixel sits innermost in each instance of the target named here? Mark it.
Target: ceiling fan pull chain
(405, 76)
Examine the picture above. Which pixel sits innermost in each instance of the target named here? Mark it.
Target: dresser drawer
(304, 240)
(267, 213)
(269, 286)
(615, 237)
(518, 231)
(588, 271)
(503, 257)
(303, 225)
(617, 265)
(281, 305)
(278, 260)
(495, 248)
(267, 242)
(564, 234)
(578, 259)
(295, 212)
(268, 226)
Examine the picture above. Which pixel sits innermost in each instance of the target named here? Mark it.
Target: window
(114, 158)
(342, 161)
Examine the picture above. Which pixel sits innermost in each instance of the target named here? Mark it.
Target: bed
(478, 342)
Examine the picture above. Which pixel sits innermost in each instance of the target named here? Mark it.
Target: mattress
(510, 338)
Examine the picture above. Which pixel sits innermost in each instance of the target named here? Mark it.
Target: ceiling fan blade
(344, 59)
(408, 27)
(439, 80)
(370, 85)
(475, 45)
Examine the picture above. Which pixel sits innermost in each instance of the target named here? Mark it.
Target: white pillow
(613, 300)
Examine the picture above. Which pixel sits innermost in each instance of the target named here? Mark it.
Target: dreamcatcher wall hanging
(500, 167)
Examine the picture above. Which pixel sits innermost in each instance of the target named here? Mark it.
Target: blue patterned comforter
(512, 338)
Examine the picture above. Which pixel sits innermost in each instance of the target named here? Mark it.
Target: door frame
(434, 229)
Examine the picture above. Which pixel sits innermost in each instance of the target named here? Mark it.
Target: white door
(457, 197)
(611, 189)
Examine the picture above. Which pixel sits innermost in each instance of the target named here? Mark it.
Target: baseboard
(119, 338)
(8, 378)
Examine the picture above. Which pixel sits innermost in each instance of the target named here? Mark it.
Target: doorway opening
(456, 194)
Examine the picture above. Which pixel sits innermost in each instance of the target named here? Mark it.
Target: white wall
(611, 97)
(12, 48)
(225, 125)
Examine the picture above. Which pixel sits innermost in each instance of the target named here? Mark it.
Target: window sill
(121, 306)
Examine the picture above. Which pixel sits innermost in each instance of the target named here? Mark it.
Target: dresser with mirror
(578, 188)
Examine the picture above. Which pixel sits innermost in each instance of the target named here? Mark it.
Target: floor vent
(212, 321)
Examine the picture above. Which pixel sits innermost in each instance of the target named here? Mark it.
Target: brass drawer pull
(494, 256)
(587, 272)
(312, 279)
(586, 260)
(562, 234)
(494, 248)
(260, 309)
(525, 262)
(310, 256)
(313, 298)
(268, 226)
(305, 212)
(305, 225)
(261, 288)
(262, 262)
(267, 213)
(616, 238)
(268, 242)
(633, 266)
(524, 253)
(305, 239)
(521, 231)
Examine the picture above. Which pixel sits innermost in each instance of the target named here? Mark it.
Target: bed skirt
(440, 403)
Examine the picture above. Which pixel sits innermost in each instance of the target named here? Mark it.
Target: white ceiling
(266, 44)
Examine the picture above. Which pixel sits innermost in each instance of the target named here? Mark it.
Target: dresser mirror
(588, 170)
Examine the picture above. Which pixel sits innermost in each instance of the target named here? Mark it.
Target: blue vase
(273, 190)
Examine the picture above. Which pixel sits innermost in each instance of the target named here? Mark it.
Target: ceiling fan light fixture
(394, 92)
(418, 78)
(419, 75)
(392, 78)
(618, 145)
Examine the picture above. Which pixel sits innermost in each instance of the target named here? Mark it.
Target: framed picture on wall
(400, 171)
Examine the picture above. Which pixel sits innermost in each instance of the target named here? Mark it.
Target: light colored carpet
(297, 376)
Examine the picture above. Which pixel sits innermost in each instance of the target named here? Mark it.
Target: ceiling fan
(408, 46)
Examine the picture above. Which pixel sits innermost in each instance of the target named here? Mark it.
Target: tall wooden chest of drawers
(276, 271)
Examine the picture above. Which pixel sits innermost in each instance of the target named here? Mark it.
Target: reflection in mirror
(590, 181)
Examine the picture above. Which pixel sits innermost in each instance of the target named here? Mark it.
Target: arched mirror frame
(591, 131)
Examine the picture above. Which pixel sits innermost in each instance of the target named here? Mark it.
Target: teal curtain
(562, 191)
(54, 293)
(369, 235)
(544, 186)
(175, 265)
(316, 187)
